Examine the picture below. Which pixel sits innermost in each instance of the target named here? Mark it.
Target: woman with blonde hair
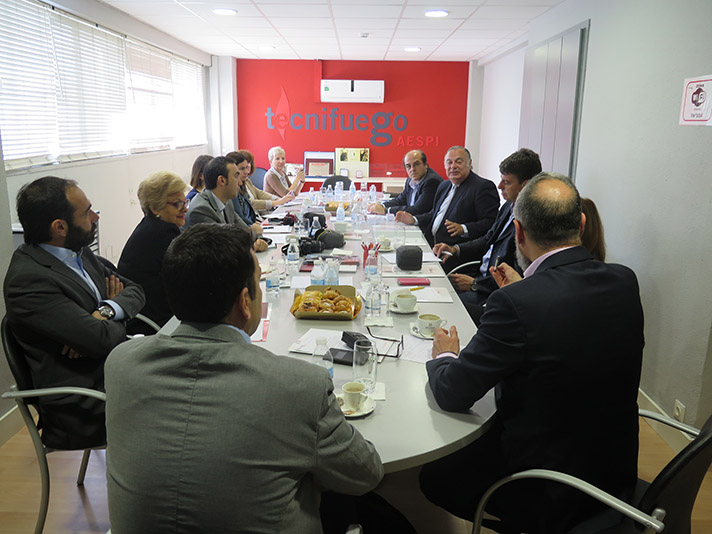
(261, 201)
(276, 180)
(164, 206)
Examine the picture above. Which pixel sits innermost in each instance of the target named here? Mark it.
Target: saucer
(395, 309)
(386, 249)
(366, 408)
(417, 333)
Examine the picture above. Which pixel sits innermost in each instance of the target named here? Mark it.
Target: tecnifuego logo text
(331, 119)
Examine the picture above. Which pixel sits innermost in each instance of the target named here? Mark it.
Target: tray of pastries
(336, 303)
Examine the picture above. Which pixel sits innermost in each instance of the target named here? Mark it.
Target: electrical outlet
(679, 411)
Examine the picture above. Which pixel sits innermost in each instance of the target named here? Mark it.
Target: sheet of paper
(348, 268)
(279, 239)
(416, 349)
(428, 257)
(433, 294)
(307, 342)
(261, 332)
(279, 229)
(429, 270)
(341, 252)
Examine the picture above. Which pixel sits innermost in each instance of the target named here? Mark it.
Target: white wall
(111, 185)
(502, 95)
(650, 177)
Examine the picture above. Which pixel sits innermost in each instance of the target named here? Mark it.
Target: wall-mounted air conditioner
(352, 91)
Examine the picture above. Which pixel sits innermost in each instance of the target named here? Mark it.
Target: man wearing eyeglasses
(65, 307)
(465, 205)
(419, 192)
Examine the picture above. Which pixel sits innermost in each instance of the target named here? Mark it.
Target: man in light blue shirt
(65, 307)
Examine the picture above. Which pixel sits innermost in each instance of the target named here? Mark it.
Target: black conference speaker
(409, 258)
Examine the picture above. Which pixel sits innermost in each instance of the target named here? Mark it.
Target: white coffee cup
(428, 323)
(353, 395)
(341, 226)
(405, 301)
(385, 242)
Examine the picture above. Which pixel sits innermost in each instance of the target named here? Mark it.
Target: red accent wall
(427, 103)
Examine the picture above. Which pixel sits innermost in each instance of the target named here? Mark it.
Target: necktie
(443, 208)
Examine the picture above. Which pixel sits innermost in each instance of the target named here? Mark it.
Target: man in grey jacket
(214, 203)
(209, 433)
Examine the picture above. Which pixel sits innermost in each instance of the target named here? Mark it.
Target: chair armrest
(141, 317)
(466, 264)
(669, 422)
(45, 392)
(623, 507)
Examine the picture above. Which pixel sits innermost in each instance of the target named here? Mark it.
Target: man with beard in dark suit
(65, 307)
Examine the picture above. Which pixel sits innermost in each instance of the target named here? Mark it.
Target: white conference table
(408, 428)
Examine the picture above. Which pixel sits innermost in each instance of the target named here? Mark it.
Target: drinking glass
(364, 366)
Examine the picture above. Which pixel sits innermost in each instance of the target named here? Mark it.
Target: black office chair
(666, 503)
(25, 395)
(258, 177)
(331, 181)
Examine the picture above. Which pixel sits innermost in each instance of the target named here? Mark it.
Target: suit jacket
(243, 208)
(563, 350)
(204, 209)
(424, 196)
(142, 259)
(49, 306)
(258, 198)
(209, 433)
(475, 204)
(501, 237)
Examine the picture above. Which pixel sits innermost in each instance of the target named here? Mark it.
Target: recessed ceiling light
(224, 11)
(412, 49)
(436, 13)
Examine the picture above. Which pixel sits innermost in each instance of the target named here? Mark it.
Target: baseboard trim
(677, 439)
(10, 424)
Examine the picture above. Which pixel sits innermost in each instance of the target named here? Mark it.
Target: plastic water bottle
(352, 192)
(317, 273)
(293, 256)
(372, 194)
(272, 281)
(329, 193)
(312, 196)
(340, 212)
(322, 356)
(331, 274)
(373, 300)
(339, 190)
(315, 227)
(364, 189)
(373, 274)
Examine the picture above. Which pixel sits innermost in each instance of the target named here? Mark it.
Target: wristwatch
(473, 286)
(106, 311)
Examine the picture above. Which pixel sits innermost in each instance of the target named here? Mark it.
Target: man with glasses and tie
(419, 192)
(213, 204)
(465, 205)
(65, 307)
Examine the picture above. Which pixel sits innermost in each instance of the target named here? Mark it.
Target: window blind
(72, 90)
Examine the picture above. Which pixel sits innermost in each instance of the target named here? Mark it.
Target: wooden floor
(83, 510)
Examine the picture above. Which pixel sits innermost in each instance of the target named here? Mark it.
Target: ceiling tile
(509, 12)
(366, 11)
